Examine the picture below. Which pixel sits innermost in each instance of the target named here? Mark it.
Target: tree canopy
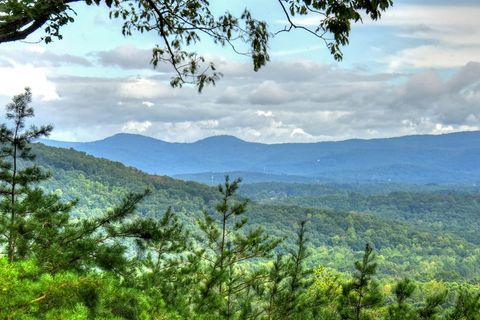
(181, 23)
(125, 264)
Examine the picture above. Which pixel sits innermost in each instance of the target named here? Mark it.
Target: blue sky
(415, 71)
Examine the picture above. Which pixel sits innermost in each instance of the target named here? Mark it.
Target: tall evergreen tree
(170, 265)
(432, 307)
(467, 306)
(401, 309)
(229, 244)
(37, 225)
(275, 287)
(362, 292)
(292, 302)
(16, 179)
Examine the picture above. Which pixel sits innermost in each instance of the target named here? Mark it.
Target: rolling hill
(443, 159)
(336, 236)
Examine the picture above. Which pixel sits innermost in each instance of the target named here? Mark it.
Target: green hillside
(99, 183)
(337, 236)
(432, 208)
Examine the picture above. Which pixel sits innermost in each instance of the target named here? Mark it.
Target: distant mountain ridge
(447, 158)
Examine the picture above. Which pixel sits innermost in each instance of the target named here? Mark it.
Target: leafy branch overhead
(183, 23)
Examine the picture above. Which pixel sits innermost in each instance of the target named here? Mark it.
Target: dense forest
(87, 238)
(357, 230)
(337, 232)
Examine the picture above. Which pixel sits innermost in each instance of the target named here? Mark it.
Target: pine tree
(170, 265)
(402, 310)
(37, 225)
(17, 179)
(467, 306)
(100, 242)
(275, 287)
(432, 307)
(229, 245)
(292, 302)
(362, 292)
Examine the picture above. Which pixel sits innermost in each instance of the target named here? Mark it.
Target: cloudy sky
(416, 71)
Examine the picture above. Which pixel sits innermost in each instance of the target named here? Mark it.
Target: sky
(415, 71)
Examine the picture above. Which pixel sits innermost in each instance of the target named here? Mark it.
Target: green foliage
(289, 281)
(412, 247)
(169, 267)
(435, 208)
(21, 18)
(431, 308)
(402, 310)
(431, 226)
(467, 306)
(293, 301)
(17, 206)
(361, 294)
(180, 24)
(325, 292)
(27, 293)
(115, 264)
(230, 245)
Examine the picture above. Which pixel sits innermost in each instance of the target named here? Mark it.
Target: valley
(411, 226)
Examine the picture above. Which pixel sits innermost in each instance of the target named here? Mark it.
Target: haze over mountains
(449, 158)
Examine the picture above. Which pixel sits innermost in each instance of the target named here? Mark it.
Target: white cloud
(144, 88)
(431, 16)
(36, 49)
(134, 126)
(229, 95)
(19, 76)
(39, 56)
(442, 129)
(125, 57)
(448, 34)
(432, 56)
(262, 113)
(186, 131)
(148, 104)
(299, 133)
(269, 92)
(425, 16)
(428, 36)
(290, 101)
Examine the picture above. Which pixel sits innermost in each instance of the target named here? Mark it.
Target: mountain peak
(221, 139)
(123, 135)
(130, 137)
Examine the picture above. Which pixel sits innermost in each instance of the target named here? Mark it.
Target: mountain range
(411, 228)
(419, 159)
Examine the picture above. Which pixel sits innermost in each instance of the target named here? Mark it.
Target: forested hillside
(175, 264)
(340, 221)
(431, 208)
(310, 278)
(307, 191)
(88, 238)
